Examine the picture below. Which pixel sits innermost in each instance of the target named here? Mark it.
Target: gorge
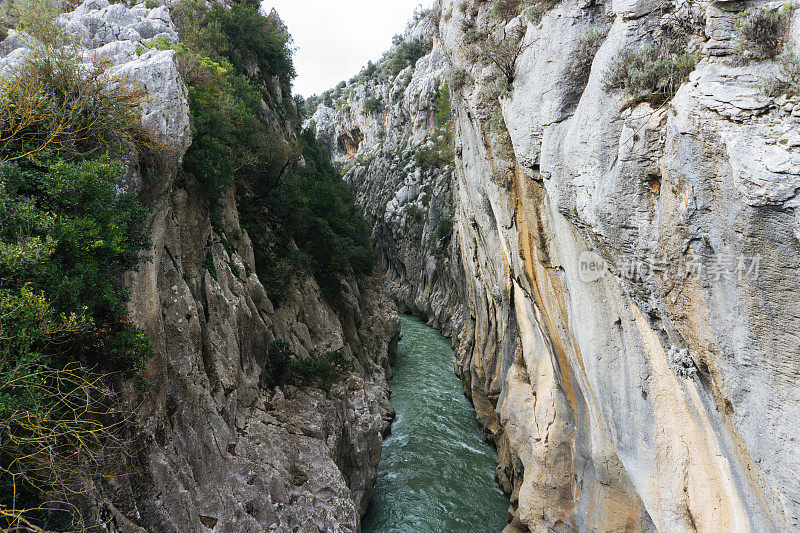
(594, 201)
(436, 470)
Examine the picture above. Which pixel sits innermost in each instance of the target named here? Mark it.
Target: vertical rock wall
(406, 202)
(658, 399)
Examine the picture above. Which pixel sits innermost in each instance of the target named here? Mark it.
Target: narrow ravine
(436, 470)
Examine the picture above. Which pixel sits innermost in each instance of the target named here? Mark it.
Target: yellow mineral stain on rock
(691, 472)
(530, 254)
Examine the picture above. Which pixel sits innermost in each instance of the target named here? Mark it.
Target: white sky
(335, 38)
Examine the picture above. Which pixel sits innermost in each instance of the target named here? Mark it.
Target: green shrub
(39, 18)
(443, 131)
(231, 136)
(285, 368)
(69, 233)
(763, 31)
(94, 113)
(580, 65)
(66, 238)
(372, 105)
(321, 371)
(334, 232)
(415, 214)
(428, 158)
(444, 229)
(441, 153)
(504, 9)
(459, 78)
(471, 33)
(369, 72)
(404, 54)
(252, 38)
(536, 9)
(652, 73)
(279, 363)
(208, 264)
(503, 52)
(787, 81)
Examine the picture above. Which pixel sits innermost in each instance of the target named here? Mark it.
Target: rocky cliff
(621, 274)
(410, 205)
(213, 446)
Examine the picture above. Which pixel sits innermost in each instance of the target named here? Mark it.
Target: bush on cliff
(652, 73)
(67, 235)
(372, 105)
(459, 79)
(763, 31)
(536, 9)
(53, 105)
(580, 65)
(254, 43)
(505, 9)
(286, 368)
(444, 229)
(404, 54)
(787, 80)
(445, 124)
(503, 52)
(764, 34)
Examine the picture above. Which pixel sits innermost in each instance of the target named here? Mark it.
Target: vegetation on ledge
(651, 73)
(301, 218)
(286, 368)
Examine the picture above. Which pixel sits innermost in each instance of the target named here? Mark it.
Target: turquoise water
(436, 472)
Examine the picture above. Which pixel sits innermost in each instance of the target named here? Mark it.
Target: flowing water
(436, 472)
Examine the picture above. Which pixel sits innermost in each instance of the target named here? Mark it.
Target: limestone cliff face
(659, 399)
(213, 447)
(406, 203)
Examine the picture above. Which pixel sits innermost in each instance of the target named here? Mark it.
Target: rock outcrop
(215, 448)
(621, 277)
(410, 205)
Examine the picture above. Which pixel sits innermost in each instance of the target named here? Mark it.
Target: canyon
(617, 276)
(212, 446)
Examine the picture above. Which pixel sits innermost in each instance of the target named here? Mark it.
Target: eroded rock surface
(631, 400)
(213, 447)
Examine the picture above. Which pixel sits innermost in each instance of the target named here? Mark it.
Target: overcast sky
(335, 38)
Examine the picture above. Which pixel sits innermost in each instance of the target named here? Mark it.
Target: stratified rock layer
(661, 400)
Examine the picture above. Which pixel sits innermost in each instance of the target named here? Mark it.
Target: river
(436, 472)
